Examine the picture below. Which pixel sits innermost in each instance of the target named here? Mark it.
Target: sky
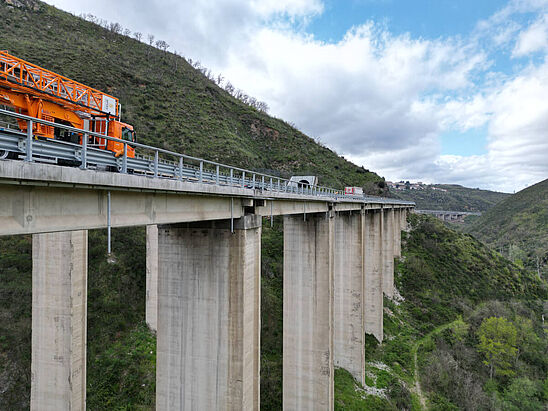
(439, 91)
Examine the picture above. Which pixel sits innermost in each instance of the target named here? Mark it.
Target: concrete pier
(59, 308)
(373, 269)
(151, 307)
(397, 232)
(209, 315)
(388, 252)
(348, 310)
(308, 382)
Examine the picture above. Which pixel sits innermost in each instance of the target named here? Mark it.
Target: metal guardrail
(160, 163)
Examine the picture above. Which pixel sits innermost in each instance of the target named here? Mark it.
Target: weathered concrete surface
(59, 305)
(308, 382)
(348, 310)
(388, 252)
(209, 316)
(151, 303)
(397, 232)
(32, 209)
(373, 269)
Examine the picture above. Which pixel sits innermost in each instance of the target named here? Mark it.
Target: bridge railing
(151, 161)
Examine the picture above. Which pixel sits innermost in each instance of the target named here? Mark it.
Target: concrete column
(403, 216)
(348, 311)
(209, 315)
(151, 308)
(397, 232)
(308, 382)
(388, 252)
(59, 308)
(373, 269)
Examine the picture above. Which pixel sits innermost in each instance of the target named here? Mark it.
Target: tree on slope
(497, 342)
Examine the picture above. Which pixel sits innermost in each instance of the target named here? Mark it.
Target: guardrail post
(279, 185)
(243, 179)
(217, 174)
(231, 175)
(156, 164)
(262, 183)
(29, 141)
(84, 164)
(124, 160)
(180, 168)
(201, 171)
(271, 188)
(253, 181)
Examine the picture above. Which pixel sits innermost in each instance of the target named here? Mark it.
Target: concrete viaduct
(203, 282)
(449, 216)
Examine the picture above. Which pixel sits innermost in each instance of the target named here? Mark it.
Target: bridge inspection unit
(204, 223)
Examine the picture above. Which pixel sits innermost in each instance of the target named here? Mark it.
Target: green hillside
(518, 227)
(431, 357)
(454, 198)
(171, 104)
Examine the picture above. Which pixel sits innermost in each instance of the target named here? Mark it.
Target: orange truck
(45, 95)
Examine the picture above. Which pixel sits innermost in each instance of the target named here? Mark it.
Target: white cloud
(381, 100)
(533, 39)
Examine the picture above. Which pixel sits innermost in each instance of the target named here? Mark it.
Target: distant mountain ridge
(451, 197)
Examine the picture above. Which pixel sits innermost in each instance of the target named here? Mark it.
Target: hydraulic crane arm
(25, 77)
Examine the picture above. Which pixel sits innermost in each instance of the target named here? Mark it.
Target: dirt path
(414, 350)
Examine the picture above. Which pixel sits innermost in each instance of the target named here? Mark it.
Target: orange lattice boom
(20, 73)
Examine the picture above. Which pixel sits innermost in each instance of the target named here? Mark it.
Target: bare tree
(138, 35)
(115, 27)
(150, 39)
(127, 32)
(162, 45)
(229, 88)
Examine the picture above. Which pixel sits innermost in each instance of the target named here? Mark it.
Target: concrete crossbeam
(151, 303)
(388, 252)
(59, 308)
(208, 335)
(308, 382)
(348, 310)
(373, 270)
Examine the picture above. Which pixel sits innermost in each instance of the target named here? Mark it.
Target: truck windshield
(127, 134)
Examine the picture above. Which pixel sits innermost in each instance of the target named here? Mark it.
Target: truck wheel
(4, 154)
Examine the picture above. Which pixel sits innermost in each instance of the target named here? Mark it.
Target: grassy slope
(456, 198)
(171, 104)
(518, 226)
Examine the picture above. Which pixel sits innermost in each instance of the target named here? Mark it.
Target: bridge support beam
(151, 306)
(308, 382)
(59, 308)
(209, 315)
(348, 310)
(388, 252)
(373, 270)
